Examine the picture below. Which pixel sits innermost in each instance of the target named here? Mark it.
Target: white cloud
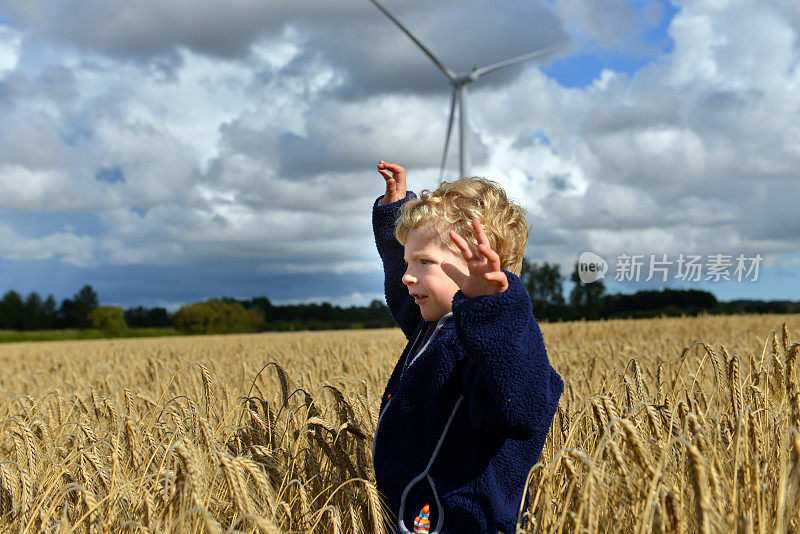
(342, 267)
(604, 21)
(255, 140)
(26, 189)
(666, 155)
(704, 136)
(69, 248)
(10, 41)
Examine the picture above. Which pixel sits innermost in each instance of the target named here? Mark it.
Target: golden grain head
(272, 433)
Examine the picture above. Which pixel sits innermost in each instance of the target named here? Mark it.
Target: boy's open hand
(395, 177)
(485, 276)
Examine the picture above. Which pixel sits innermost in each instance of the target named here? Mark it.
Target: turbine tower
(459, 81)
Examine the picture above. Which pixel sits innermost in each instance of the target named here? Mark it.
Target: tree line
(35, 313)
(545, 285)
(543, 282)
(224, 315)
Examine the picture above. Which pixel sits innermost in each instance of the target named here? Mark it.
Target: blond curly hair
(453, 205)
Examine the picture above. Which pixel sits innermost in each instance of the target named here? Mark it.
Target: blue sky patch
(588, 60)
(35, 224)
(110, 175)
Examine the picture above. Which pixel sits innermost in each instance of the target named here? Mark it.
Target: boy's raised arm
(509, 382)
(385, 211)
(510, 385)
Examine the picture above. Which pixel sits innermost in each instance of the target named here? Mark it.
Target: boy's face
(424, 276)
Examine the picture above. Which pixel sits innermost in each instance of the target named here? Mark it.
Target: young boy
(468, 406)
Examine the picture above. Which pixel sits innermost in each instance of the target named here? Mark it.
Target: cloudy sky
(167, 152)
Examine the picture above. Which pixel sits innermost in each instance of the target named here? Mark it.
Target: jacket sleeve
(404, 311)
(511, 387)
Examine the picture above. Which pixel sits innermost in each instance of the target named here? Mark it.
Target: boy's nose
(408, 279)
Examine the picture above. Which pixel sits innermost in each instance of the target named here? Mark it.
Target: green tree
(545, 285)
(74, 312)
(141, 317)
(587, 300)
(12, 311)
(47, 313)
(31, 312)
(109, 319)
(217, 317)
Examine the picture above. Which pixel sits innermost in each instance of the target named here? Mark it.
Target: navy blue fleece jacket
(485, 378)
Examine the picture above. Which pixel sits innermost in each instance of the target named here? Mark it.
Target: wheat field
(665, 425)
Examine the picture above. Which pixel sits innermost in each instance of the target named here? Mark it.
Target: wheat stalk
(697, 475)
(192, 473)
(636, 445)
(607, 422)
(785, 338)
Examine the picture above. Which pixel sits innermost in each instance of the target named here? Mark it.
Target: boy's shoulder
(515, 299)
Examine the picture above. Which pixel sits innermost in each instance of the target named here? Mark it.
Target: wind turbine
(459, 81)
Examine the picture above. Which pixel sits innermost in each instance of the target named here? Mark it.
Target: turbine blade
(513, 60)
(447, 135)
(463, 150)
(447, 72)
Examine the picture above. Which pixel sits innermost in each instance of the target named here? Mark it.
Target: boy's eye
(422, 261)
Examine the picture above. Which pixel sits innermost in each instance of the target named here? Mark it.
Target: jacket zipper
(386, 407)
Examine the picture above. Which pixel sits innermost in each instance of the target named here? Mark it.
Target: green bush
(109, 319)
(217, 317)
